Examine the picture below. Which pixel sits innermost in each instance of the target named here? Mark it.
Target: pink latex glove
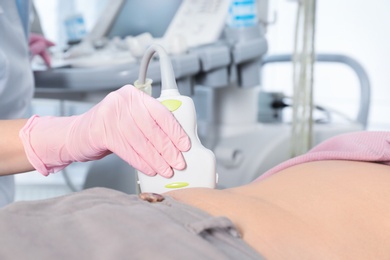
(38, 46)
(126, 122)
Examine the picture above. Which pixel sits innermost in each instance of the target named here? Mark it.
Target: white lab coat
(16, 78)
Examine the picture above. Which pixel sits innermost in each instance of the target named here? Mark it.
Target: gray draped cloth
(100, 223)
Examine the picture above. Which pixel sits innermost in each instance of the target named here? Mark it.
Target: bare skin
(316, 210)
(12, 155)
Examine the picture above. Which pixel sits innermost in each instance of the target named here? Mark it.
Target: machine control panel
(199, 22)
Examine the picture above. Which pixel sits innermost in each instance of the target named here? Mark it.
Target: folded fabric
(369, 146)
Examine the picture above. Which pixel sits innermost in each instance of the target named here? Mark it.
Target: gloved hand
(126, 122)
(38, 46)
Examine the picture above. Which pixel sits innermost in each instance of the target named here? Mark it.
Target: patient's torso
(317, 210)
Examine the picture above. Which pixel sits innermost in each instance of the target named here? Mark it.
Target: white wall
(357, 28)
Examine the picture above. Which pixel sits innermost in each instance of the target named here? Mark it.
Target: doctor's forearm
(12, 155)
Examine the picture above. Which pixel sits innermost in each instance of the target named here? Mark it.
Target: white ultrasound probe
(201, 165)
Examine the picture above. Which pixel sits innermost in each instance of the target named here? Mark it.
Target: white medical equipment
(200, 168)
(224, 80)
(112, 37)
(197, 23)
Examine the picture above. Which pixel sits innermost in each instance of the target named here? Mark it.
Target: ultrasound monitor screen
(139, 16)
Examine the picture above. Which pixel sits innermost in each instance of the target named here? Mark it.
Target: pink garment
(357, 146)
